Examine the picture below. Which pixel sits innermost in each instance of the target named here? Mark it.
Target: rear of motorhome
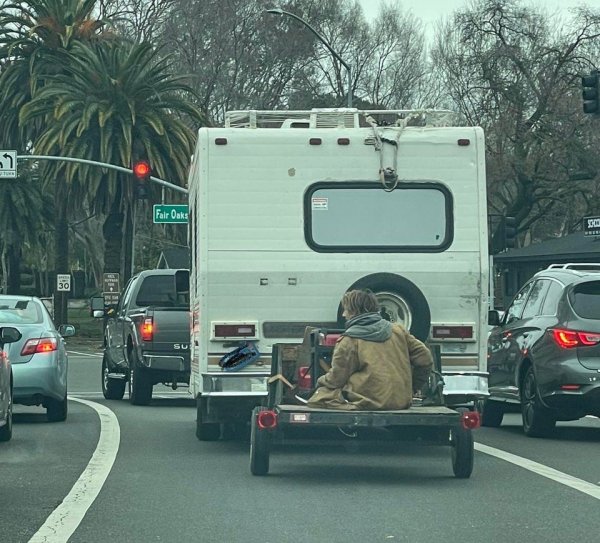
(290, 209)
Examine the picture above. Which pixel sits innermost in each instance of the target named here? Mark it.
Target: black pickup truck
(147, 336)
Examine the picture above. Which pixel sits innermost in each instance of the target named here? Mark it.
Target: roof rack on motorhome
(340, 118)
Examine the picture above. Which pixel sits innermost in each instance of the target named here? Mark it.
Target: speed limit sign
(63, 282)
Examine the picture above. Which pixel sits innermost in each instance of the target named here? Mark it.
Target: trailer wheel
(260, 441)
(463, 452)
(401, 302)
(206, 431)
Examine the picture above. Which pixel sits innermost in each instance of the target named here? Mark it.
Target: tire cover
(396, 284)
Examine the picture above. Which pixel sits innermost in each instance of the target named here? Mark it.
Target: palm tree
(31, 33)
(116, 101)
(24, 213)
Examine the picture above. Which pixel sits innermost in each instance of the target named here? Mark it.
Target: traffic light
(141, 175)
(509, 225)
(591, 92)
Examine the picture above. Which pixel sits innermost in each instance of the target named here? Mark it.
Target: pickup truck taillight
(147, 329)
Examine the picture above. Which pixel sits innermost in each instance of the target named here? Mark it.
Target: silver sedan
(7, 335)
(39, 358)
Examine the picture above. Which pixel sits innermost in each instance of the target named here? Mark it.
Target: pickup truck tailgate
(171, 330)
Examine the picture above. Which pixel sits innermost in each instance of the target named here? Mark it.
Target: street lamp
(279, 11)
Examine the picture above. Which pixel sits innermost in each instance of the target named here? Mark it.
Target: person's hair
(357, 302)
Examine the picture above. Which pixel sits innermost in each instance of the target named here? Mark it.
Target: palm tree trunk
(113, 236)
(14, 269)
(61, 248)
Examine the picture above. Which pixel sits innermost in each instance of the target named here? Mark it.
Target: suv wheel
(492, 413)
(537, 419)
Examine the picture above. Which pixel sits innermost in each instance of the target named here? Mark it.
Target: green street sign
(170, 213)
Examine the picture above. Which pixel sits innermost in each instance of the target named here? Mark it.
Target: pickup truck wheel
(260, 441)
(492, 413)
(112, 389)
(56, 410)
(463, 452)
(206, 431)
(140, 387)
(537, 419)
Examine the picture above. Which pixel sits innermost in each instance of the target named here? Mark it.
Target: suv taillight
(40, 345)
(568, 339)
(147, 329)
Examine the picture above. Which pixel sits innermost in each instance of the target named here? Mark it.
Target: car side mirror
(182, 281)
(66, 330)
(97, 305)
(493, 317)
(8, 334)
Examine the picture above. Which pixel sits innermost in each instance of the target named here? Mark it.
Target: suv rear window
(585, 299)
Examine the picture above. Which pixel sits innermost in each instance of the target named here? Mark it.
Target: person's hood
(369, 326)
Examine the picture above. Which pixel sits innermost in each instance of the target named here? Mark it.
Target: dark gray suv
(544, 354)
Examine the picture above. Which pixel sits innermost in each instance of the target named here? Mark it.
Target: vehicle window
(585, 299)
(14, 311)
(126, 295)
(551, 302)
(516, 307)
(160, 290)
(536, 297)
(363, 217)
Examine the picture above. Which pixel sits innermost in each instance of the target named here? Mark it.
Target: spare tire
(400, 299)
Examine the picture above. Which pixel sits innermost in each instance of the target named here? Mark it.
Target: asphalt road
(167, 486)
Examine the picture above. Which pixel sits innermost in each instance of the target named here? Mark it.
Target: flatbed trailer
(431, 425)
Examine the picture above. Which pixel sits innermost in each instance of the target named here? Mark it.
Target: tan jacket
(367, 375)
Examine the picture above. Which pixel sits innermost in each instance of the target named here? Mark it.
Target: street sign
(63, 282)
(111, 287)
(591, 226)
(170, 213)
(8, 164)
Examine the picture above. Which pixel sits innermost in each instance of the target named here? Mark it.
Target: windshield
(16, 311)
(585, 299)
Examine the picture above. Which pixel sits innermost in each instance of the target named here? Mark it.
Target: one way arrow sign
(8, 164)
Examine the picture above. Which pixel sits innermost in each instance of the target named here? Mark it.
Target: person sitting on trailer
(376, 365)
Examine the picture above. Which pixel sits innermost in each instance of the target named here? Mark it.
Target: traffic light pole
(102, 165)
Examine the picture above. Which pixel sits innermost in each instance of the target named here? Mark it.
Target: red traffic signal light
(141, 169)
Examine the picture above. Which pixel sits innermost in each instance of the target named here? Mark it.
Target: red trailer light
(267, 420)
(470, 420)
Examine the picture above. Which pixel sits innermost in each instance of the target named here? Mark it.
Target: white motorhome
(289, 209)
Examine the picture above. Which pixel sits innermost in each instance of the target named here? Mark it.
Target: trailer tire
(206, 431)
(406, 303)
(260, 441)
(463, 452)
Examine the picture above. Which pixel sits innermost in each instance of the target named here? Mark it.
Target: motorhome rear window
(361, 216)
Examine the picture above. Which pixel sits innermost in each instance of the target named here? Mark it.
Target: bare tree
(515, 71)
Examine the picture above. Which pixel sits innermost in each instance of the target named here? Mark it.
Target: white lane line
(84, 354)
(564, 479)
(65, 519)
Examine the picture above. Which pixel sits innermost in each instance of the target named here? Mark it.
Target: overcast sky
(430, 11)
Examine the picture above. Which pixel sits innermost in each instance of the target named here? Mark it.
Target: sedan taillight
(40, 345)
(568, 339)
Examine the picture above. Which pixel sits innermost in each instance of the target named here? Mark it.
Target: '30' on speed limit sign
(63, 282)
